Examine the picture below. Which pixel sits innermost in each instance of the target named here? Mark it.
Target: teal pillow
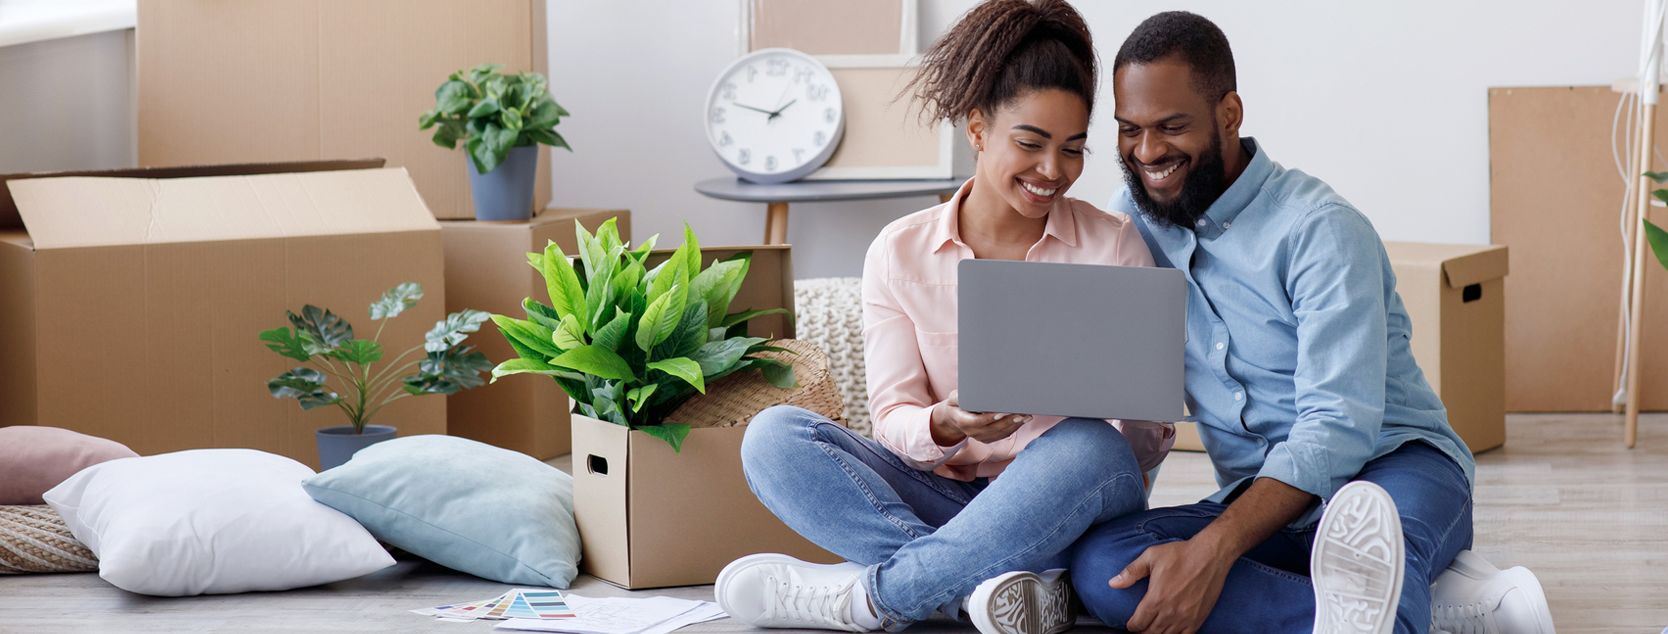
(490, 512)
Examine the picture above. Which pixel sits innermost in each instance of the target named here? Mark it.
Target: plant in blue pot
(357, 377)
(500, 119)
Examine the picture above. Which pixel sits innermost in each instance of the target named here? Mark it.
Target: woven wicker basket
(35, 539)
(735, 399)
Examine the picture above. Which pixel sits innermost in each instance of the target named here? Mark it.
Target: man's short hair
(1191, 37)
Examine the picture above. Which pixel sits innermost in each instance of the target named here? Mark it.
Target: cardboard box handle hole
(1471, 293)
(597, 465)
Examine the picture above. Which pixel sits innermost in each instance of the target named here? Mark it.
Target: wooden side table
(776, 197)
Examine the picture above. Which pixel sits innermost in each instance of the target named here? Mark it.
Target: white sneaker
(1474, 597)
(1023, 603)
(780, 591)
(1357, 561)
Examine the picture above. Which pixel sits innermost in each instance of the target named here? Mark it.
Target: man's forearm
(1265, 508)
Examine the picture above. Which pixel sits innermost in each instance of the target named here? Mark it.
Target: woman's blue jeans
(928, 540)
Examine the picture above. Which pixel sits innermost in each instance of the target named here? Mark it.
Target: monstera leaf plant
(1656, 236)
(341, 370)
(629, 343)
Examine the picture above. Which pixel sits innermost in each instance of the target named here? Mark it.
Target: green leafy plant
(631, 344)
(338, 363)
(491, 112)
(1656, 236)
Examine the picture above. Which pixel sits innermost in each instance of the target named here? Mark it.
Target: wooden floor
(1563, 497)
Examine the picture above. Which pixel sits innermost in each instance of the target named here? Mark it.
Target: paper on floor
(620, 615)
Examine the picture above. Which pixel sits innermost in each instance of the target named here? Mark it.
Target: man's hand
(951, 423)
(1185, 579)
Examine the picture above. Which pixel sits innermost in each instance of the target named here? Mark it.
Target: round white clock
(775, 115)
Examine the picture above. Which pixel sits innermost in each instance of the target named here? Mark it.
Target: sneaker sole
(1357, 561)
(1024, 603)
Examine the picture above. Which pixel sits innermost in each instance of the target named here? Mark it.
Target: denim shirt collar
(1244, 190)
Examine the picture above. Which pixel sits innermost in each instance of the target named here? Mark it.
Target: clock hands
(779, 109)
(742, 105)
(771, 114)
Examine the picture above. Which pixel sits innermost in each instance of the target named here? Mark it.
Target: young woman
(919, 512)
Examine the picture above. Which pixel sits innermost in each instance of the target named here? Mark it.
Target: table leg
(776, 223)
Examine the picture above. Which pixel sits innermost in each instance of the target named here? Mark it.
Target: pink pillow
(34, 459)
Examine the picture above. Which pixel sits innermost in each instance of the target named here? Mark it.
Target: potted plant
(500, 119)
(1656, 236)
(630, 344)
(338, 364)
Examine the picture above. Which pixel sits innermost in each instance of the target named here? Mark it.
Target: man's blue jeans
(928, 540)
(1268, 589)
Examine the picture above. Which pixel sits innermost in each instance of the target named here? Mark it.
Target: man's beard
(1205, 183)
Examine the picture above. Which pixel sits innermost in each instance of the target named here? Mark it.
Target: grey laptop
(1071, 339)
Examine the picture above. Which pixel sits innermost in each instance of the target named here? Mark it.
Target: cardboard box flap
(101, 211)
(1461, 265)
(1476, 268)
(9, 219)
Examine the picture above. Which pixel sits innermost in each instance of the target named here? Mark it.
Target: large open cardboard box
(133, 299)
(649, 517)
(1456, 299)
(288, 80)
(486, 269)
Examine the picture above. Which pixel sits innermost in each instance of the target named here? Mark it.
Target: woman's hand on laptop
(951, 423)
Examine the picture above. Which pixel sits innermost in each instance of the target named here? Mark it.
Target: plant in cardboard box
(500, 119)
(339, 364)
(630, 344)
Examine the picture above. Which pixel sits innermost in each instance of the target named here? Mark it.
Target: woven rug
(35, 539)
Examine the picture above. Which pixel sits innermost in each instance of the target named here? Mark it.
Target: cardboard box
(1455, 296)
(133, 304)
(486, 269)
(1556, 200)
(287, 80)
(651, 518)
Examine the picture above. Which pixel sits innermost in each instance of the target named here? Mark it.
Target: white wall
(67, 103)
(1385, 99)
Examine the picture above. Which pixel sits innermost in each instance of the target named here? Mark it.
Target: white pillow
(211, 521)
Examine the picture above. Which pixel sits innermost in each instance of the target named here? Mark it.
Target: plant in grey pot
(343, 371)
(500, 119)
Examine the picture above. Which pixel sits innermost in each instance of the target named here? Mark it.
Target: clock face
(775, 115)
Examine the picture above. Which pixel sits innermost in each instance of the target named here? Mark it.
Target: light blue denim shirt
(1298, 363)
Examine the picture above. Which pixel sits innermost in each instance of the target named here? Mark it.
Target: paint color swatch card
(515, 604)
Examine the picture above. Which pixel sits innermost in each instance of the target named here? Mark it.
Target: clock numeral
(802, 76)
(725, 141)
(828, 115)
(752, 73)
(776, 67)
(799, 155)
(770, 163)
(819, 138)
(727, 91)
(817, 92)
(717, 115)
(744, 157)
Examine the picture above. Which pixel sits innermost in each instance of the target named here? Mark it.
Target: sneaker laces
(1465, 618)
(827, 605)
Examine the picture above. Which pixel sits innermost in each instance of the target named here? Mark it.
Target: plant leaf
(639, 394)
(535, 338)
(1659, 242)
(777, 373)
(596, 361)
(453, 329)
(303, 384)
(320, 330)
(665, 276)
(286, 342)
(452, 97)
(660, 318)
(528, 366)
(541, 314)
(746, 315)
(566, 295)
(359, 351)
(569, 334)
(1657, 176)
(448, 371)
(692, 254)
(483, 108)
(690, 334)
(396, 301)
(672, 433)
(683, 368)
(612, 335)
(718, 285)
(718, 356)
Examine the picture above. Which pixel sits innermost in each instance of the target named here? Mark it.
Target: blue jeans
(1268, 588)
(928, 540)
